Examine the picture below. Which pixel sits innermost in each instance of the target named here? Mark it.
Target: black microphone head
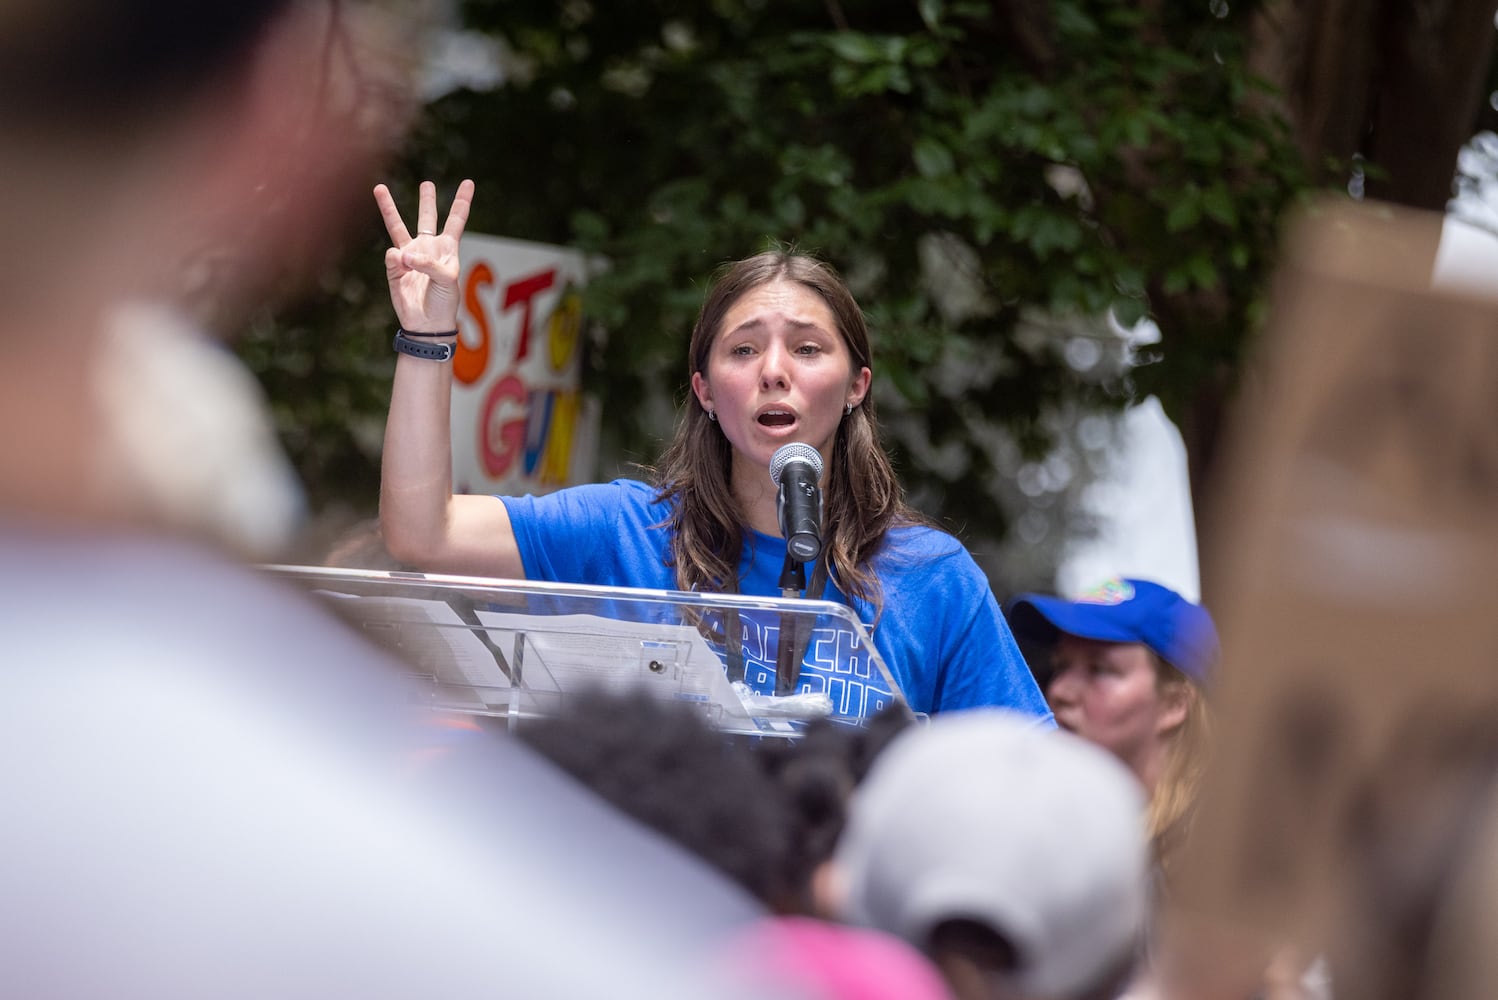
(799, 505)
(795, 452)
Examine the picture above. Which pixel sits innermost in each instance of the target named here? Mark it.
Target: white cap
(982, 815)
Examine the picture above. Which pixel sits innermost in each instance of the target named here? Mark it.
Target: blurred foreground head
(215, 790)
(195, 161)
(1013, 856)
(150, 147)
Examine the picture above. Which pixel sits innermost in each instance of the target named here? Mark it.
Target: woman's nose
(1062, 688)
(772, 371)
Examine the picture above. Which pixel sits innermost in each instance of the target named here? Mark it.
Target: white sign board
(520, 423)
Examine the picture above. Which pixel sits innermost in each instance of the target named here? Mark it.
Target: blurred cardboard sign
(520, 422)
(1354, 575)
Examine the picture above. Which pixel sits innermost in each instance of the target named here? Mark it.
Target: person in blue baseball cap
(1129, 662)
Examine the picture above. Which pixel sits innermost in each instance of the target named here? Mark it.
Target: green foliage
(1087, 157)
(325, 365)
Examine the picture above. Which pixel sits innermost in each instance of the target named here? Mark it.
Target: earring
(712, 415)
(849, 411)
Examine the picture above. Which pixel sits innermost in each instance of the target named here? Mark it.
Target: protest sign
(1352, 553)
(520, 421)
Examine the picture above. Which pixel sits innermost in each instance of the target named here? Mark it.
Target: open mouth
(777, 418)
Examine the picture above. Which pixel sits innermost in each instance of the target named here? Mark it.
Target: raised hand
(423, 269)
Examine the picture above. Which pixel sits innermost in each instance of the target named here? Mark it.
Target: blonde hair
(1172, 803)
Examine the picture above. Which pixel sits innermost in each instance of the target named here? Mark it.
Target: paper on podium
(580, 651)
(469, 662)
(434, 640)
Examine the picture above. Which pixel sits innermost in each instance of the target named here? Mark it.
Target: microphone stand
(792, 577)
(792, 643)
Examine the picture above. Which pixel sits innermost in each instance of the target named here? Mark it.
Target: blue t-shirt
(940, 630)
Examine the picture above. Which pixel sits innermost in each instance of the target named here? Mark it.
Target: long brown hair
(863, 499)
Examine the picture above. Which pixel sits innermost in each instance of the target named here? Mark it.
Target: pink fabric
(817, 960)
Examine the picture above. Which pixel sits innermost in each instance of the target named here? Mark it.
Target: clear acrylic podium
(518, 649)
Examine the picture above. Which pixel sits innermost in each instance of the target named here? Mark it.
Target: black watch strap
(422, 349)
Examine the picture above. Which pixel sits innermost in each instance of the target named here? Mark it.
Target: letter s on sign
(469, 362)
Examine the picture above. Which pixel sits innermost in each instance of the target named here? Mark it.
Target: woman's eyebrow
(757, 322)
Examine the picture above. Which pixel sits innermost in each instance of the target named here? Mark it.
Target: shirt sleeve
(607, 534)
(944, 635)
(556, 532)
(984, 666)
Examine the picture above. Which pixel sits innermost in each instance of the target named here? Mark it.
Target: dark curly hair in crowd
(817, 773)
(661, 763)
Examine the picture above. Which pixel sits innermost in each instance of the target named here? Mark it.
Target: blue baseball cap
(1124, 610)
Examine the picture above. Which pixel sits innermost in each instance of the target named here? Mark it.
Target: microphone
(795, 469)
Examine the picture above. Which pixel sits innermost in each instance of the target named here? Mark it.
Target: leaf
(1203, 272)
(1128, 312)
(1136, 131)
(591, 228)
(1054, 231)
(791, 211)
(1035, 101)
(856, 47)
(1218, 204)
(932, 159)
(906, 382)
(1184, 214)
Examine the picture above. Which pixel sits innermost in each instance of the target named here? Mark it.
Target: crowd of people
(214, 788)
(1051, 906)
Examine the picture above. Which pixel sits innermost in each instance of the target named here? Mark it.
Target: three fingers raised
(426, 213)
